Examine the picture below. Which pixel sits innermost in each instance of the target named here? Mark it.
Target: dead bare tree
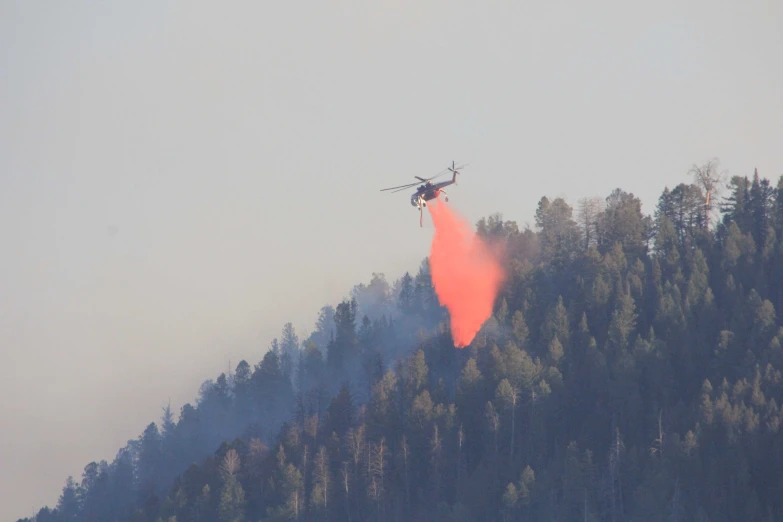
(515, 393)
(293, 502)
(493, 420)
(378, 461)
(587, 215)
(257, 448)
(355, 443)
(460, 442)
(322, 474)
(615, 483)
(346, 482)
(230, 462)
(436, 446)
(376, 471)
(709, 179)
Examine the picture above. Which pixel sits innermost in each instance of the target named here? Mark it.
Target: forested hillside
(631, 371)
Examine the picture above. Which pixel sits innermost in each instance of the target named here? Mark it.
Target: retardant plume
(466, 272)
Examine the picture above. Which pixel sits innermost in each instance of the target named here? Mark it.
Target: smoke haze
(236, 154)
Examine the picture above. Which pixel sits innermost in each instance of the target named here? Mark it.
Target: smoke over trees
(631, 370)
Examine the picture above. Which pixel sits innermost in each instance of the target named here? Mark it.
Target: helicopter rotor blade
(401, 186)
(423, 180)
(439, 174)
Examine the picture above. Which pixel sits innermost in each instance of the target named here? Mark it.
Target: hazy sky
(238, 150)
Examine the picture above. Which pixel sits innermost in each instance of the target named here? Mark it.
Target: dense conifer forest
(631, 371)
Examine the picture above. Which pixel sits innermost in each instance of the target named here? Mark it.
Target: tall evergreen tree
(611, 383)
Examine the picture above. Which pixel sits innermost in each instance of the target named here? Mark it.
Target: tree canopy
(631, 370)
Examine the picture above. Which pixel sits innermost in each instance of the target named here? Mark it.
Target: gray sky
(239, 149)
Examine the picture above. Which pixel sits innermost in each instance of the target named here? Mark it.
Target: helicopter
(429, 190)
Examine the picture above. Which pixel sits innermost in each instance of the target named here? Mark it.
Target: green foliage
(631, 370)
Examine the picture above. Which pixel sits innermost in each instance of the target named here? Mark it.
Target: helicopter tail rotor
(456, 170)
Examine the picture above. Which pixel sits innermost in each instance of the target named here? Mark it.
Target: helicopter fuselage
(427, 192)
(420, 198)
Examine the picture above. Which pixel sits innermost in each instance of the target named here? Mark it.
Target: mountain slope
(631, 370)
